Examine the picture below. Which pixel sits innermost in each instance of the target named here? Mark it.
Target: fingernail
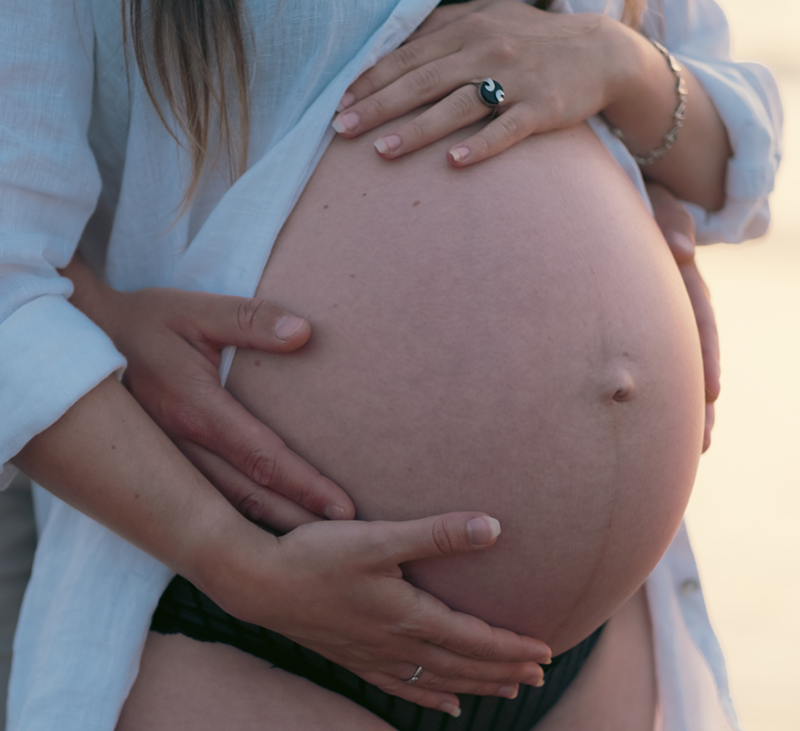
(450, 709)
(346, 122)
(287, 326)
(683, 243)
(458, 154)
(346, 101)
(334, 512)
(536, 681)
(387, 144)
(507, 691)
(482, 531)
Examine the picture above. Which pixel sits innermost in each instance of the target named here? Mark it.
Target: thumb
(439, 535)
(249, 322)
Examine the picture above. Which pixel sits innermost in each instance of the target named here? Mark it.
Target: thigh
(188, 685)
(616, 689)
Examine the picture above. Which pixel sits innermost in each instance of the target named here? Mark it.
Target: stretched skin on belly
(512, 337)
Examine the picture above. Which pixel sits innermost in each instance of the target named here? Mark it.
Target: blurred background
(744, 517)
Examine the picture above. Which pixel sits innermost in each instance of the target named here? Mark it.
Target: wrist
(644, 111)
(231, 561)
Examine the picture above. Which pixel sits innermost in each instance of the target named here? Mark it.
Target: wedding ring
(416, 676)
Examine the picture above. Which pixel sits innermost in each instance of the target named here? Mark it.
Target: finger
(504, 131)
(468, 637)
(410, 57)
(225, 427)
(430, 680)
(709, 426)
(442, 666)
(428, 83)
(707, 329)
(445, 702)
(436, 536)
(457, 110)
(256, 502)
(245, 322)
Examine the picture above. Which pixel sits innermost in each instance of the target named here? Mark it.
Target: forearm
(694, 168)
(106, 458)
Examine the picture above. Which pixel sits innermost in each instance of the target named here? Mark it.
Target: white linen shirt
(83, 153)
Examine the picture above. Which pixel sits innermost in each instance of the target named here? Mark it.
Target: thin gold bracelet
(678, 115)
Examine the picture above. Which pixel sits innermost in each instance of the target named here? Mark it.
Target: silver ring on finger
(416, 676)
(490, 93)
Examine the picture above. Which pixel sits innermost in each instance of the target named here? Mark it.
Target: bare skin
(537, 362)
(184, 685)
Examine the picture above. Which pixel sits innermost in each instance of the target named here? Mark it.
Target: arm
(108, 459)
(81, 434)
(172, 342)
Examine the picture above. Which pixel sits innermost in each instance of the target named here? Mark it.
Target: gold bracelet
(678, 115)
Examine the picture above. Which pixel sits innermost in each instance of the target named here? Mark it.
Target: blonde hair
(191, 48)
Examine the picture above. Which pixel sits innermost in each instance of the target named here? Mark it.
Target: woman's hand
(172, 340)
(677, 227)
(556, 70)
(337, 588)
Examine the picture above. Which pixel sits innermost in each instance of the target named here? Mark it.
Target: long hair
(191, 49)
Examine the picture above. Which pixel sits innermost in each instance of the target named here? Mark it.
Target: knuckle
(405, 57)
(262, 467)
(462, 105)
(481, 650)
(444, 537)
(414, 130)
(426, 79)
(391, 686)
(375, 108)
(508, 124)
(250, 505)
(247, 311)
(502, 51)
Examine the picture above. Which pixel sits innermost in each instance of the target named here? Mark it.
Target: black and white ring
(490, 93)
(416, 676)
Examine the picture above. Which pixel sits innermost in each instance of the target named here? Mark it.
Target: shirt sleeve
(747, 99)
(50, 354)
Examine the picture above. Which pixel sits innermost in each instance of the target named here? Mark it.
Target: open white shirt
(82, 149)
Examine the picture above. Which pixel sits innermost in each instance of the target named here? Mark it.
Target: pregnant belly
(512, 338)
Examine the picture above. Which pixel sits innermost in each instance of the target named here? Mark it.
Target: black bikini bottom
(185, 610)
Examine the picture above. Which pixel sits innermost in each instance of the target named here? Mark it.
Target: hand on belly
(512, 338)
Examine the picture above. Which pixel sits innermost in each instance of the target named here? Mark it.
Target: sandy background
(744, 517)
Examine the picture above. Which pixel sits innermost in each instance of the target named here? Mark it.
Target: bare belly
(512, 338)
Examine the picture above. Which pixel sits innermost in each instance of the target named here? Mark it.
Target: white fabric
(76, 137)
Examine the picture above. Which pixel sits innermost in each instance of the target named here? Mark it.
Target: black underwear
(185, 610)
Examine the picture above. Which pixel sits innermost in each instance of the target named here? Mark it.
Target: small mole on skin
(353, 276)
(364, 195)
(325, 206)
(136, 496)
(415, 203)
(113, 446)
(257, 363)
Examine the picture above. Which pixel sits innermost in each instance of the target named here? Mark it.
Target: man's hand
(677, 227)
(173, 340)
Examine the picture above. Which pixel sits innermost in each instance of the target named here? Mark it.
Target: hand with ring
(535, 71)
